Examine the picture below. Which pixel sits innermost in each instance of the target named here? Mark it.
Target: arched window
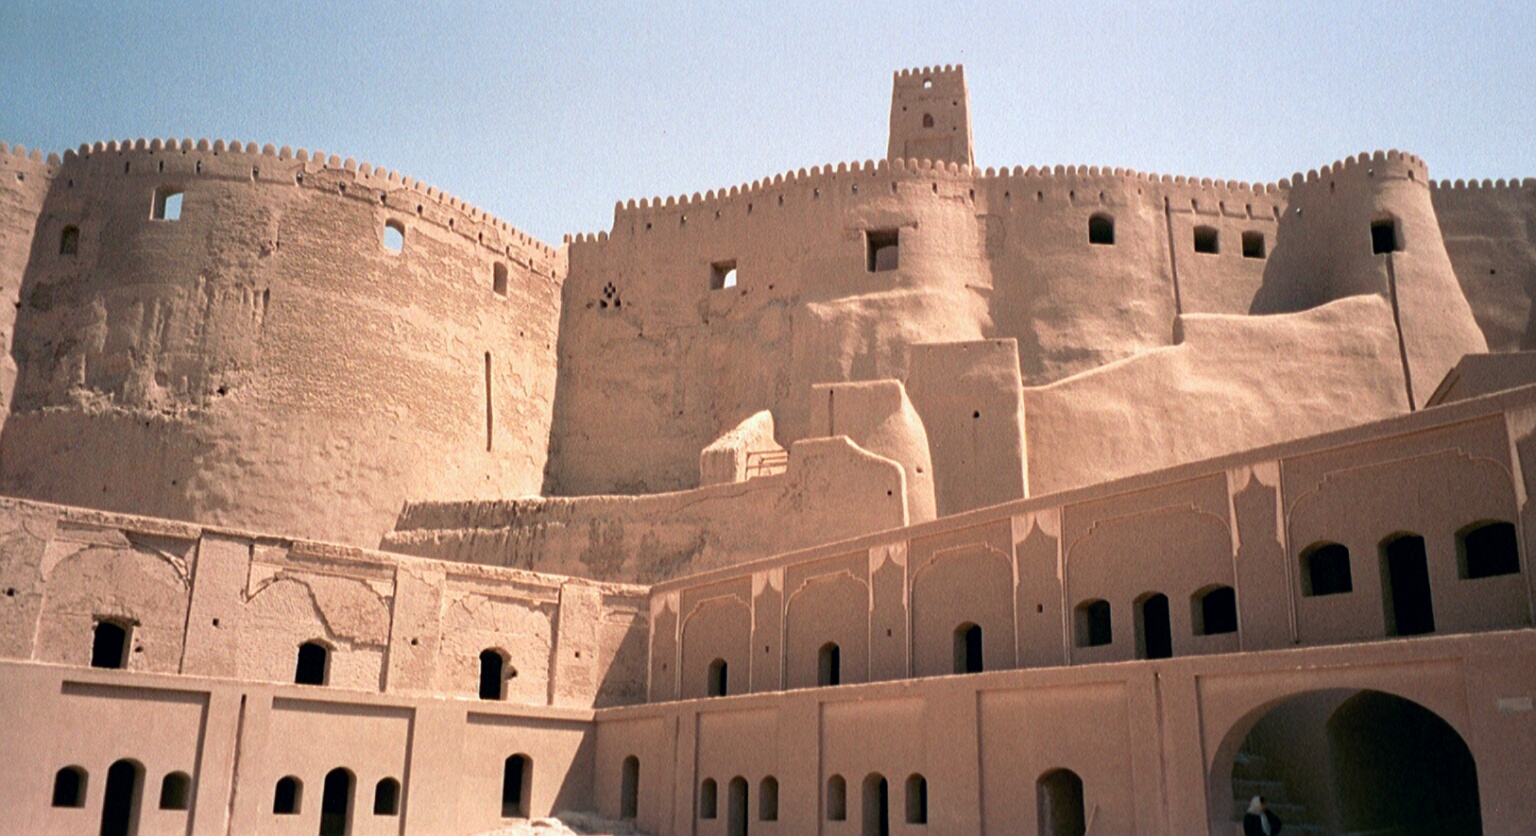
(109, 645)
(336, 803)
(394, 236)
(718, 676)
(287, 796)
(499, 278)
(1092, 623)
(120, 802)
(516, 786)
(386, 797)
(768, 799)
(492, 684)
(69, 787)
(1487, 549)
(829, 665)
(1059, 804)
(167, 206)
(1101, 229)
(1207, 240)
(1325, 570)
(709, 801)
(736, 807)
(69, 240)
(927, 120)
(877, 805)
(313, 665)
(837, 799)
(1214, 611)
(968, 648)
(1154, 633)
(1384, 237)
(176, 791)
(629, 789)
(917, 799)
(1405, 586)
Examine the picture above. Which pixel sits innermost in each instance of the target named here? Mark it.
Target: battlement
(1528, 183)
(24, 161)
(930, 115)
(218, 159)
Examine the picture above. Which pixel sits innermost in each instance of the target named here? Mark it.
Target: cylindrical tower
(274, 340)
(24, 180)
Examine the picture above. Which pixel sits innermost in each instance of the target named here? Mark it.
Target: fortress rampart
(264, 358)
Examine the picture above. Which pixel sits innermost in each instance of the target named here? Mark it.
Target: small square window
(1384, 236)
(1253, 245)
(722, 275)
(1207, 240)
(167, 204)
(881, 250)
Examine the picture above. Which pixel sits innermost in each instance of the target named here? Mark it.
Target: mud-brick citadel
(896, 497)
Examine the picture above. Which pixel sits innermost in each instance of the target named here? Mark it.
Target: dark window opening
(1207, 240)
(516, 786)
(313, 661)
(69, 240)
(1384, 236)
(167, 205)
(394, 236)
(881, 250)
(718, 676)
(768, 799)
(877, 805)
(176, 791)
(1059, 804)
(917, 799)
(1092, 623)
(829, 665)
(336, 803)
(1215, 611)
(1101, 229)
(286, 797)
(629, 788)
(1488, 550)
(722, 275)
(1405, 581)
(120, 806)
(69, 787)
(837, 799)
(499, 278)
(109, 645)
(968, 648)
(491, 681)
(1154, 634)
(736, 807)
(1253, 245)
(927, 120)
(708, 800)
(1325, 570)
(386, 798)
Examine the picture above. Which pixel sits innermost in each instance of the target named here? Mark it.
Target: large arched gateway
(1356, 761)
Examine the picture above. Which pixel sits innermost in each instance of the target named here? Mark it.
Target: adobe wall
(1152, 742)
(1025, 572)
(1489, 230)
(24, 182)
(832, 490)
(211, 603)
(265, 360)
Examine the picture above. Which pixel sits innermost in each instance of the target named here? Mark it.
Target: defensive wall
(223, 333)
(1489, 228)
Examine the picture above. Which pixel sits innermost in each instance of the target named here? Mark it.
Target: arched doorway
(336, 803)
(120, 806)
(1356, 761)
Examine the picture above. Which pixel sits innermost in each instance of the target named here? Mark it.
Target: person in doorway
(1260, 821)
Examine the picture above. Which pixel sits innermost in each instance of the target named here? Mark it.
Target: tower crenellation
(930, 115)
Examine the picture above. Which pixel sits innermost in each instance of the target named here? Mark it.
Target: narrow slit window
(492, 683)
(768, 799)
(167, 205)
(1253, 245)
(881, 250)
(394, 236)
(499, 279)
(837, 798)
(722, 275)
(709, 801)
(1101, 229)
(917, 799)
(719, 673)
(69, 240)
(1384, 236)
(829, 665)
(1207, 240)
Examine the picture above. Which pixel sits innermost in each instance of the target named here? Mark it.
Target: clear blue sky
(547, 114)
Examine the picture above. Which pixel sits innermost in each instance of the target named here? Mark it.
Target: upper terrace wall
(265, 360)
(1489, 230)
(236, 606)
(23, 185)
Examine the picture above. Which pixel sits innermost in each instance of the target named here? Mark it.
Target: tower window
(394, 236)
(1207, 240)
(167, 206)
(881, 250)
(1101, 229)
(109, 645)
(722, 275)
(1384, 236)
(499, 278)
(69, 240)
(927, 120)
(1253, 245)
(312, 666)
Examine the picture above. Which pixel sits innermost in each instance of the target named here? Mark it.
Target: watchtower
(931, 115)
